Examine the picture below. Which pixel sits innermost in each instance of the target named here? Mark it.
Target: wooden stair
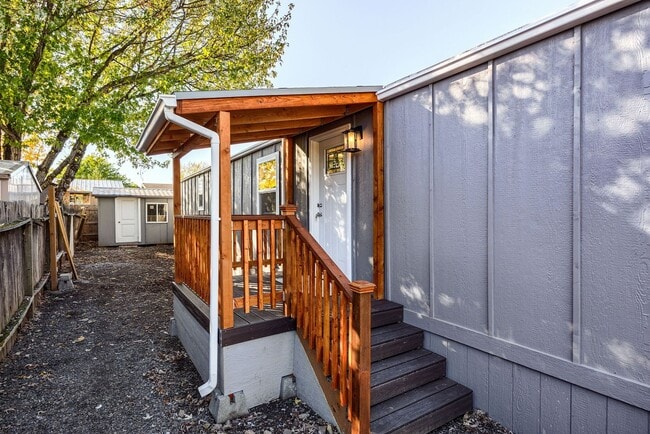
(409, 391)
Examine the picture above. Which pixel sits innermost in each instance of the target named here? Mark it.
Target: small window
(267, 184)
(200, 196)
(335, 161)
(156, 213)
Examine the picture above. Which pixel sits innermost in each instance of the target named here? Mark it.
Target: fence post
(28, 269)
(287, 210)
(54, 278)
(360, 355)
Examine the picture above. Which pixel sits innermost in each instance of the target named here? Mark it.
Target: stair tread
(404, 400)
(430, 411)
(390, 362)
(391, 332)
(405, 368)
(383, 305)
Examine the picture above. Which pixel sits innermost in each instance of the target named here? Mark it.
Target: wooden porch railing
(333, 319)
(257, 246)
(192, 258)
(332, 313)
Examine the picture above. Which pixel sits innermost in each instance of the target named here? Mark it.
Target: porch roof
(256, 114)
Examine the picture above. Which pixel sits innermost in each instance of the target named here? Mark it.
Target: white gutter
(503, 45)
(169, 102)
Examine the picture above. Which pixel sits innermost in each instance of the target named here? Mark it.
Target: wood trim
(204, 105)
(193, 304)
(258, 330)
(360, 356)
(289, 168)
(226, 315)
(378, 200)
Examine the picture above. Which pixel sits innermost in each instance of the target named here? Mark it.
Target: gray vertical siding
(533, 134)
(460, 119)
(616, 195)
(106, 221)
(408, 152)
(243, 178)
(518, 231)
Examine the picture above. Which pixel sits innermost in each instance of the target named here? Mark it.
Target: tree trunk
(46, 164)
(10, 146)
(77, 154)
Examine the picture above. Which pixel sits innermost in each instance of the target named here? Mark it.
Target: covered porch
(271, 266)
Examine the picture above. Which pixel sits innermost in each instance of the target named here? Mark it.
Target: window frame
(261, 160)
(166, 208)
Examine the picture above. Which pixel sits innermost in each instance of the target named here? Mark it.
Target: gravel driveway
(99, 359)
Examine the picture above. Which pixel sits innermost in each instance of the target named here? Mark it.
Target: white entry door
(330, 207)
(127, 220)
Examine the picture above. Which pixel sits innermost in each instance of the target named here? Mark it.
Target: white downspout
(169, 105)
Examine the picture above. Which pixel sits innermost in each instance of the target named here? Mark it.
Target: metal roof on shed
(87, 185)
(7, 167)
(132, 192)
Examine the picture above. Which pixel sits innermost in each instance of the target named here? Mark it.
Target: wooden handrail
(333, 319)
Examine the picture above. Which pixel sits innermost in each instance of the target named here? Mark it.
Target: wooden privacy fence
(23, 254)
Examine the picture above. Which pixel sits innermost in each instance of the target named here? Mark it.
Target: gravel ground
(99, 359)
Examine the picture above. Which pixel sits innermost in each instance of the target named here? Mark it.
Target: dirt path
(99, 358)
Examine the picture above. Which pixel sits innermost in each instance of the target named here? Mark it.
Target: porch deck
(247, 326)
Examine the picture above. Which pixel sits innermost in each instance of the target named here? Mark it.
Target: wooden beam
(54, 272)
(194, 139)
(226, 315)
(206, 105)
(378, 198)
(288, 165)
(254, 116)
(267, 135)
(281, 125)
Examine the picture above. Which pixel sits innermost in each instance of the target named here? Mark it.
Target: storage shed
(134, 216)
(18, 182)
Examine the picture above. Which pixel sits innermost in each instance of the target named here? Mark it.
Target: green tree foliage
(81, 72)
(98, 167)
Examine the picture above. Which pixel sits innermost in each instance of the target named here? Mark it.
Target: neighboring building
(18, 182)
(156, 185)
(256, 183)
(134, 216)
(80, 191)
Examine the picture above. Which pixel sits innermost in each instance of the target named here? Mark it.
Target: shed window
(267, 184)
(156, 213)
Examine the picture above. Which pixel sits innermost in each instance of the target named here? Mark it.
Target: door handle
(319, 214)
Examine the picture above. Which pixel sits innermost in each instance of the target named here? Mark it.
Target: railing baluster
(272, 253)
(246, 269)
(326, 323)
(260, 266)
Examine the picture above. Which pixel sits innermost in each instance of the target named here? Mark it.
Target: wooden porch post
(288, 158)
(360, 356)
(176, 191)
(378, 198)
(226, 315)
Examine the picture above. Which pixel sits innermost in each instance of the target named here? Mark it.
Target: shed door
(127, 220)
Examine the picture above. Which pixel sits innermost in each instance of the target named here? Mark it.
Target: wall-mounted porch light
(351, 139)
